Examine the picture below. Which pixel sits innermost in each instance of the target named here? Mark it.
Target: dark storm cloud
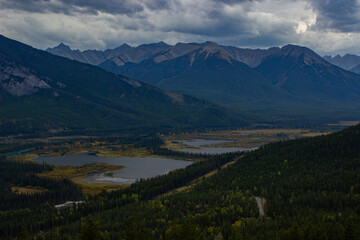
(215, 23)
(340, 15)
(157, 4)
(237, 22)
(32, 6)
(71, 6)
(108, 6)
(93, 6)
(231, 2)
(100, 24)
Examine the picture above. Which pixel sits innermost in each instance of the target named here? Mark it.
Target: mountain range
(41, 92)
(160, 51)
(287, 82)
(95, 57)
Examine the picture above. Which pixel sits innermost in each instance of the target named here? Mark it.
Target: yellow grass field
(78, 174)
(80, 171)
(241, 138)
(345, 123)
(97, 187)
(27, 190)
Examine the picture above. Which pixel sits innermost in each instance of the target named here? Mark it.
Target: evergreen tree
(350, 233)
(133, 232)
(90, 230)
(23, 234)
(187, 230)
(174, 232)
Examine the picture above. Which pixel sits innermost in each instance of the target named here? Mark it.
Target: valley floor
(222, 196)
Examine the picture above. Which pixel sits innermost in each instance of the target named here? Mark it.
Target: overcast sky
(327, 26)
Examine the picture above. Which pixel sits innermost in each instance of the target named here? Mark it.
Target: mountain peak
(210, 44)
(125, 45)
(295, 49)
(159, 44)
(63, 46)
(162, 44)
(211, 47)
(308, 55)
(59, 48)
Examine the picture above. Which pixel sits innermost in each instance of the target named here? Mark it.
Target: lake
(198, 145)
(135, 167)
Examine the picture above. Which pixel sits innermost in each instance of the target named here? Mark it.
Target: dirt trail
(261, 203)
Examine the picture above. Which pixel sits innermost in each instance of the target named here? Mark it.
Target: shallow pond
(135, 167)
(200, 143)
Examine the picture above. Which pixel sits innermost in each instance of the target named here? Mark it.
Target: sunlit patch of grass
(102, 151)
(79, 173)
(240, 138)
(29, 190)
(97, 187)
(345, 123)
(133, 152)
(176, 144)
(72, 172)
(25, 157)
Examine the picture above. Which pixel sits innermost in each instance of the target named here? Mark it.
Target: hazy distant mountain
(41, 92)
(93, 57)
(251, 57)
(135, 55)
(119, 55)
(348, 62)
(110, 59)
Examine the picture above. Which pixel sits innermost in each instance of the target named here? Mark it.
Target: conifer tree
(90, 230)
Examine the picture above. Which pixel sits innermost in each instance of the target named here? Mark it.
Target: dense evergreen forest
(311, 187)
(22, 174)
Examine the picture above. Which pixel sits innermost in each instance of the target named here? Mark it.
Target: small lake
(198, 145)
(135, 167)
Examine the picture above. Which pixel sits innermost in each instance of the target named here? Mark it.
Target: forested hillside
(311, 187)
